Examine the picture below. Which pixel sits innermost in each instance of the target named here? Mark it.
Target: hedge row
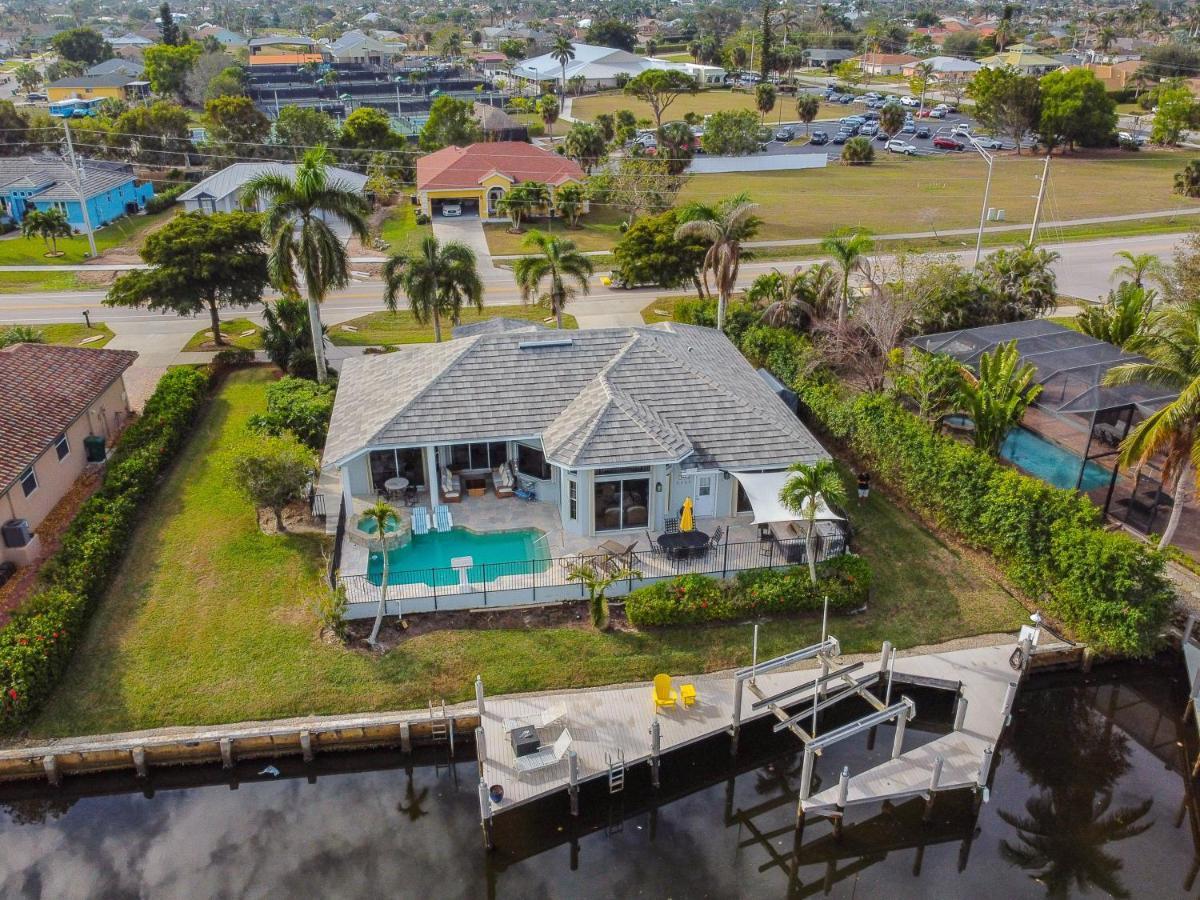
(37, 643)
(696, 599)
(1106, 588)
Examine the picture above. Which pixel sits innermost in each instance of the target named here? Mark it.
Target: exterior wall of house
(87, 92)
(480, 196)
(228, 203)
(102, 208)
(55, 476)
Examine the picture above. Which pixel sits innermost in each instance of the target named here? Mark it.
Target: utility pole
(1037, 210)
(987, 187)
(87, 219)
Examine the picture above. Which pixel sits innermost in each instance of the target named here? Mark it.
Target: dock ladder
(616, 773)
(441, 728)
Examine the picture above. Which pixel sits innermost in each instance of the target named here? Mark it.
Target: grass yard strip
(72, 334)
(233, 332)
(599, 230)
(401, 327)
(30, 282)
(704, 103)
(400, 229)
(212, 621)
(126, 233)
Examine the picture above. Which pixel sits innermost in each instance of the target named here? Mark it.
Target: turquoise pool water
(1045, 459)
(426, 559)
(367, 525)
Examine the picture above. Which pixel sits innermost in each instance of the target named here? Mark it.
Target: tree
(1138, 267)
(675, 146)
(1170, 61)
(297, 127)
(610, 32)
(930, 381)
(569, 200)
(659, 88)
(198, 263)
(384, 519)
(1022, 280)
(49, 224)
(556, 261)
(82, 45)
(920, 81)
(272, 472)
(731, 133)
(287, 336)
(961, 43)
(438, 279)
(764, 99)
(1076, 110)
(297, 406)
(159, 134)
(27, 76)
(809, 486)
(996, 399)
(858, 151)
(303, 246)
(369, 130)
(1175, 113)
(228, 82)
(236, 125)
(596, 581)
(1172, 345)
(1187, 179)
(849, 249)
(891, 118)
(548, 109)
(452, 45)
(513, 48)
(167, 68)
(723, 228)
(451, 122)
(795, 300)
(562, 52)
(14, 130)
(1006, 102)
(650, 253)
(807, 107)
(585, 144)
(171, 35)
(522, 200)
(849, 73)
(1122, 318)
(577, 83)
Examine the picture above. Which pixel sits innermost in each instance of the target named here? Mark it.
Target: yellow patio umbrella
(687, 521)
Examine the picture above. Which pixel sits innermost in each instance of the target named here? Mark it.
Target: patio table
(395, 484)
(683, 543)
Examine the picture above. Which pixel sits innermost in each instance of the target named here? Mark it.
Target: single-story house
(476, 177)
(1115, 76)
(117, 86)
(825, 57)
(129, 39)
(357, 47)
(226, 37)
(222, 192)
(44, 182)
(63, 407)
(118, 66)
(1027, 62)
(600, 66)
(943, 68)
(498, 125)
(535, 39)
(612, 427)
(884, 63)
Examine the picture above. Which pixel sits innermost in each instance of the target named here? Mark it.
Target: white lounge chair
(544, 719)
(420, 520)
(442, 520)
(547, 756)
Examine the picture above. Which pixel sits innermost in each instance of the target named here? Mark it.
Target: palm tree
(596, 582)
(438, 279)
(1138, 266)
(548, 109)
(452, 46)
(848, 247)
(794, 300)
(1187, 180)
(807, 107)
(787, 19)
(724, 227)
(303, 246)
(1122, 318)
(557, 260)
(521, 200)
(996, 399)
(27, 76)
(562, 53)
(286, 336)
(1173, 346)
(807, 485)
(569, 200)
(382, 516)
(49, 224)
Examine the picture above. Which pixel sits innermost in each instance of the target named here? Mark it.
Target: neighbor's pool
(1044, 459)
(426, 559)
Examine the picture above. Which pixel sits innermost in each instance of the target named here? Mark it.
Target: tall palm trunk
(722, 300)
(810, 548)
(1177, 498)
(318, 337)
(844, 303)
(218, 338)
(437, 326)
(383, 586)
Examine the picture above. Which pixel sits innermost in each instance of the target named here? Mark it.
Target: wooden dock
(611, 727)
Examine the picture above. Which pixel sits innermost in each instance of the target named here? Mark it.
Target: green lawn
(71, 334)
(401, 231)
(600, 229)
(212, 621)
(232, 332)
(381, 328)
(704, 103)
(126, 233)
(28, 282)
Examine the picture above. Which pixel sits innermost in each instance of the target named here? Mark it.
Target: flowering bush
(695, 599)
(36, 644)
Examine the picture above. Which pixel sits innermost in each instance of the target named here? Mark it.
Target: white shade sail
(762, 489)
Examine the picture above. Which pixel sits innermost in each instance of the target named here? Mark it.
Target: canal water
(1089, 797)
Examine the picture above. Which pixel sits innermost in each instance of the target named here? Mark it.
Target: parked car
(841, 137)
(922, 132)
(847, 98)
(909, 128)
(963, 128)
(937, 113)
(786, 133)
(1127, 137)
(869, 128)
(990, 143)
(883, 136)
(910, 101)
(450, 210)
(871, 116)
(943, 142)
(818, 138)
(851, 120)
(901, 147)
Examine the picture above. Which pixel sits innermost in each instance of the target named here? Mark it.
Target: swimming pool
(1050, 462)
(426, 559)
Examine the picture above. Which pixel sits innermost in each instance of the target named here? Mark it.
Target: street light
(989, 159)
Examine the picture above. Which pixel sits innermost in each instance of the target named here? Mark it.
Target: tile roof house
(884, 63)
(55, 399)
(650, 413)
(477, 176)
(45, 181)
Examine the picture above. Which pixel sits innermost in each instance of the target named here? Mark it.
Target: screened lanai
(1075, 410)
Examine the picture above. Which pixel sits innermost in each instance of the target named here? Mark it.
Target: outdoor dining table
(683, 543)
(395, 485)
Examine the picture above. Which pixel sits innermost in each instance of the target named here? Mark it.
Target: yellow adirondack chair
(663, 694)
(687, 693)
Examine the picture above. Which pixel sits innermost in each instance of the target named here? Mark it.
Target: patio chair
(544, 719)
(546, 757)
(715, 540)
(671, 524)
(410, 495)
(442, 519)
(420, 520)
(687, 693)
(654, 548)
(664, 695)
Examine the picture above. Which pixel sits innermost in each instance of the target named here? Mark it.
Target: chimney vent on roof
(537, 345)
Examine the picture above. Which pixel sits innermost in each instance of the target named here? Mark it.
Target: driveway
(468, 229)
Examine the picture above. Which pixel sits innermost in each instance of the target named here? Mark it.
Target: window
(532, 462)
(407, 463)
(621, 503)
(29, 482)
(479, 456)
(628, 470)
(573, 500)
(62, 447)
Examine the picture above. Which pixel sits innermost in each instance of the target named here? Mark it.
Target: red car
(947, 143)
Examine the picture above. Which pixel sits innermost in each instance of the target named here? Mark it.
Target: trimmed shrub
(1107, 589)
(696, 599)
(165, 199)
(37, 643)
(300, 406)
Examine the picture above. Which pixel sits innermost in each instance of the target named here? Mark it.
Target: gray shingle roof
(496, 326)
(595, 397)
(233, 178)
(35, 171)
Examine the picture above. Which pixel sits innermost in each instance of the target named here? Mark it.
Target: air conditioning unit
(94, 450)
(16, 533)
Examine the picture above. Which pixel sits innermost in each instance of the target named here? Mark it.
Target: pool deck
(611, 723)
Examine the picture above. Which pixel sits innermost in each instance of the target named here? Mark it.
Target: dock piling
(573, 780)
(985, 766)
(901, 725)
(655, 751)
(806, 775)
(226, 745)
(306, 745)
(405, 738)
(843, 796)
(138, 756)
(737, 716)
(480, 749)
(1189, 628)
(1010, 697)
(485, 815)
(935, 776)
(960, 712)
(479, 694)
(50, 766)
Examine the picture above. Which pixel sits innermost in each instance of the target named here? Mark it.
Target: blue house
(46, 182)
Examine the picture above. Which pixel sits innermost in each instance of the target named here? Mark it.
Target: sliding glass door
(407, 463)
(621, 502)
